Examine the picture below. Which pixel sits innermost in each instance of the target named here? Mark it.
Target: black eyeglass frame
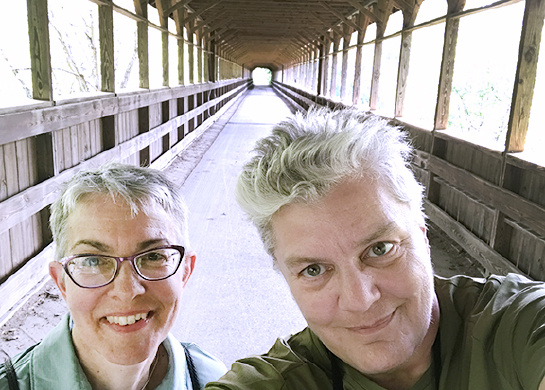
(64, 261)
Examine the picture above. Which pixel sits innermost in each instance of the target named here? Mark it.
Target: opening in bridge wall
(262, 76)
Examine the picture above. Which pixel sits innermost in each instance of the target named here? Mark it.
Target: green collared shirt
(53, 364)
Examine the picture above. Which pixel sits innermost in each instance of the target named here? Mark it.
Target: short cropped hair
(309, 153)
(138, 187)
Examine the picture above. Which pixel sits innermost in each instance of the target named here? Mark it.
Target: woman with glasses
(123, 261)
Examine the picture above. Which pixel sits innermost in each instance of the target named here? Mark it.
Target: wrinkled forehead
(93, 206)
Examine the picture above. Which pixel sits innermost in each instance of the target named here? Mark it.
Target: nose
(127, 283)
(357, 291)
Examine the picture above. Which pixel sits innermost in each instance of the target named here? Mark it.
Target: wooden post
(382, 10)
(163, 20)
(363, 22)
(179, 20)
(198, 35)
(327, 45)
(142, 33)
(409, 16)
(447, 66)
(40, 58)
(320, 77)
(333, 88)
(212, 61)
(525, 79)
(206, 58)
(106, 39)
(191, 56)
(344, 70)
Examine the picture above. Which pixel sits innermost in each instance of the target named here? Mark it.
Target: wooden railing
(490, 203)
(44, 145)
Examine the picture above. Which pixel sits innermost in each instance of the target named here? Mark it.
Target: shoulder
(501, 316)
(21, 366)
(295, 363)
(470, 294)
(208, 367)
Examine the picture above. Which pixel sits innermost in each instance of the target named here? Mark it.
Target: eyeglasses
(92, 270)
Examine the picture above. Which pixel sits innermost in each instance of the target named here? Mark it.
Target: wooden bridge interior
(491, 202)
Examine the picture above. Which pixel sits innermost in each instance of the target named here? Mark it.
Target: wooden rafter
(339, 15)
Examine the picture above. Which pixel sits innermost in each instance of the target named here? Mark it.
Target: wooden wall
(42, 147)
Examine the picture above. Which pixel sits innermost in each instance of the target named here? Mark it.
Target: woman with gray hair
(123, 258)
(339, 210)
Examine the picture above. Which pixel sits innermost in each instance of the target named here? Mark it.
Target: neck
(147, 374)
(405, 377)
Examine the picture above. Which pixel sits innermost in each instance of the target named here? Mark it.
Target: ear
(57, 274)
(425, 232)
(187, 266)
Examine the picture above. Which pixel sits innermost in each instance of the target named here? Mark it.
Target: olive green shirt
(492, 336)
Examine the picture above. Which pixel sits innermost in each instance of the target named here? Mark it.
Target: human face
(358, 266)
(98, 225)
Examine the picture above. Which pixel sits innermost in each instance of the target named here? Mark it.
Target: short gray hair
(309, 153)
(138, 187)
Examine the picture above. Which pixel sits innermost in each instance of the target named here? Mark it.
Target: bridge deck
(235, 304)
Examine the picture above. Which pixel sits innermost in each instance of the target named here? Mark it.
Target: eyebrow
(102, 247)
(384, 230)
(296, 262)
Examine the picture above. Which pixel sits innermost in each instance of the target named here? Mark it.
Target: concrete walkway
(235, 304)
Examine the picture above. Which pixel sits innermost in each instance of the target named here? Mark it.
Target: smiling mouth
(380, 324)
(126, 320)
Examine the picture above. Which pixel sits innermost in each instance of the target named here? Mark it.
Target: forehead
(100, 213)
(350, 212)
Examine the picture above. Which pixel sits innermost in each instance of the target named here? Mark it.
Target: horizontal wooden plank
(23, 124)
(512, 205)
(492, 261)
(27, 203)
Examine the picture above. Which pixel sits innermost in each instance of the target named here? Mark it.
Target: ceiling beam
(340, 16)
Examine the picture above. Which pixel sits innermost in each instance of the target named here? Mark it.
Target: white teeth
(126, 320)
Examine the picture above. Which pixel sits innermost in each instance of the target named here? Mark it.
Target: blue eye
(91, 261)
(380, 249)
(313, 270)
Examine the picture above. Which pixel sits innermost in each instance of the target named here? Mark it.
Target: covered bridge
(140, 80)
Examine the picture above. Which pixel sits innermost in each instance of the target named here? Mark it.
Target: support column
(447, 65)
(409, 16)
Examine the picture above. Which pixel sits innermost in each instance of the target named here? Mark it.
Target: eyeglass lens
(97, 270)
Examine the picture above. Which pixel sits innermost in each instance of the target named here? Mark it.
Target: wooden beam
(191, 58)
(106, 40)
(363, 21)
(512, 205)
(362, 9)
(344, 62)
(195, 15)
(335, 29)
(327, 44)
(447, 66)
(339, 15)
(493, 262)
(409, 17)
(383, 9)
(143, 54)
(176, 7)
(523, 92)
(40, 58)
(333, 87)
